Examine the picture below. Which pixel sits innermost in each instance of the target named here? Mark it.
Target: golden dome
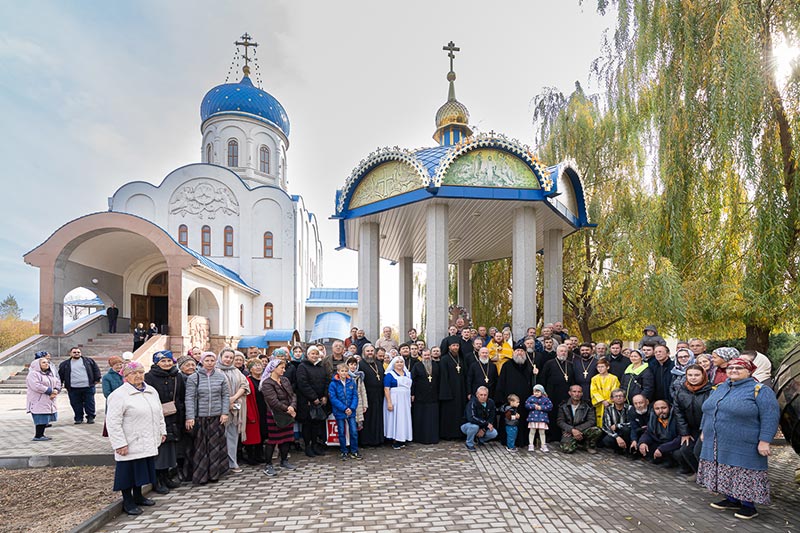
(452, 112)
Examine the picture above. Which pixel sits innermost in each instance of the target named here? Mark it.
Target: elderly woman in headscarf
(740, 419)
(136, 428)
(705, 362)
(720, 357)
(397, 424)
(42, 386)
(255, 432)
(238, 387)
(166, 380)
(281, 412)
(207, 407)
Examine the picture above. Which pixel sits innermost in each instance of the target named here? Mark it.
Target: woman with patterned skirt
(740, 419)
(281, 412)
(207, 404)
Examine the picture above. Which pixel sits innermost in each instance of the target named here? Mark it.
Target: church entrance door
(140, 310)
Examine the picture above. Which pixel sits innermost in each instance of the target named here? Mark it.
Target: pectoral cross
(430, 379)
(585, 373)
(458, 368)
(486, 380)
(566, 378)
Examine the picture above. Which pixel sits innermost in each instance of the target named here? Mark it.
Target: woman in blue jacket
(740, 419)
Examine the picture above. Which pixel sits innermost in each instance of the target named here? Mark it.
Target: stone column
(436, 257)
(175, 303)
(406, 287)
(369, 279)
(464, 285)
(523, 276)
(553, 276)
(51, 310)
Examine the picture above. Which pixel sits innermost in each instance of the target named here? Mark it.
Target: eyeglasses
(737, 368)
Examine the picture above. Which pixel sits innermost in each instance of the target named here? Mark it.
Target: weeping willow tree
(614, 279)
(491, 292)
(699, 80)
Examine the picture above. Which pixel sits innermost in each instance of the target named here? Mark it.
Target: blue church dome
(246, 99)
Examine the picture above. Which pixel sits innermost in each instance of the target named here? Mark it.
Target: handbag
(170, 408)
(316, 412)
(282, 419)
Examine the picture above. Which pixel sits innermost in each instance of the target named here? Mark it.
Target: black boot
(171, 478)
(139, 499)
(161, 486)
(128, 505)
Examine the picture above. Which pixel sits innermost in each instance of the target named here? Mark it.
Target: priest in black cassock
(517, 378)
(482, 373)
(372, 432)
(468, 351)
(452, 391)
(585, 368)
(557, 376)
(425, 400)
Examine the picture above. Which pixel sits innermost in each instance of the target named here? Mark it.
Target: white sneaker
(531, 448)
(544, 448)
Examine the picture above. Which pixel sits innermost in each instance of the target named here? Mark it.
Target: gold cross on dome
(245, 41)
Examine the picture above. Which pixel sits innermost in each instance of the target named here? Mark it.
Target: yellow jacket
(601, 391)
(500, 353)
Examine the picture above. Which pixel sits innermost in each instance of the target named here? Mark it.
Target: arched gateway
(472, 198)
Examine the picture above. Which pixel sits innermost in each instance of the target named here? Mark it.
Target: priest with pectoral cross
(556, 376)
(482, 373)
(452, 390)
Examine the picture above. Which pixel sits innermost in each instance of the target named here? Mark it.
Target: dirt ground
(51, 500)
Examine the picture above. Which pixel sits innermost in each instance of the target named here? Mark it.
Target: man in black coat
(312, 391)
(425, 400)
(482, 373)
(112, 313)
(371, 433)
(516, 378)
(479, 416)
(617, 361)
(79, 375)
(661, 366)
(556, 376)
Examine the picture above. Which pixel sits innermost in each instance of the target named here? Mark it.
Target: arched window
(209, 153)
(263, 159)
(228, 241)
(183, 235)
(241, 315)
(233, 153)
(268, 309)
(268, 244)
(205, 239)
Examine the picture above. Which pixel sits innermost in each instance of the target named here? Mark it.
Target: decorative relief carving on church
(490, 168)
(203, 199)
(386, 180)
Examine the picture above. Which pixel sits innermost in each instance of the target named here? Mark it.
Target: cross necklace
(563, 369)
(586, 369)
(374, 368)
(485, 372)
(457, 361)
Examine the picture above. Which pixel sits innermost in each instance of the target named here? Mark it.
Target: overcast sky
(96, 94)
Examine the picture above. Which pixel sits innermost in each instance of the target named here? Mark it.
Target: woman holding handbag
(165, 379)
(281, 412)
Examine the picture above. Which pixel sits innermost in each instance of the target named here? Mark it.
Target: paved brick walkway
(68, 439)
(445, 488)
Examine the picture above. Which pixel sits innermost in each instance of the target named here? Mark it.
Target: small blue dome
(246, 99)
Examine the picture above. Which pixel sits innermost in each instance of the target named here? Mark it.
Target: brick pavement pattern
(445, 488)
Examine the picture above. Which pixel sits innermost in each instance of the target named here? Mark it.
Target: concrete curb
(102, 517)
(43, 461)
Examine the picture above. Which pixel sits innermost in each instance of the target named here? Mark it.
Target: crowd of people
(196, 417)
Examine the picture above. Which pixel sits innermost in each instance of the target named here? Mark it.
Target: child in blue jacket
(343, 394)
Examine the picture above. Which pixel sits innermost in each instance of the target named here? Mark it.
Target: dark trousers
(82, 400)
(689, 456)
(314, 430)
(112, 325)
(607, 441)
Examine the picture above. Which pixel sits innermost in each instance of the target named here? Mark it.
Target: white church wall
(208, 301)
(141, 204)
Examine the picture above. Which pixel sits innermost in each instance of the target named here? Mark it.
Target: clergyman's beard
(428, 365)
(484, 360)
(519, 359)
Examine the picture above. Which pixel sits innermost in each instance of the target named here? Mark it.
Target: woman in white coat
(136, 428)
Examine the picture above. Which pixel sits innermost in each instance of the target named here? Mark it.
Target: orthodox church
(218, 250)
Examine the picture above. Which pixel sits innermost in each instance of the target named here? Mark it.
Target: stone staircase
(99, 348)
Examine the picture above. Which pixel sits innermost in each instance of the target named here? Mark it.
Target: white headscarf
(390, 369)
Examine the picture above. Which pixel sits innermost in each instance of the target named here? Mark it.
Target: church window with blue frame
(183, 235)
(268, 244)
(205, 234)
(233, 153)
(263, 159)
(228, 241)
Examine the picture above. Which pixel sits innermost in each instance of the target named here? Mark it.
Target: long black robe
(372, 432)
(542, 357)
(477, 374)
(590, 368)
(425, 407)
(467, 350)
(516, 379)
(551, 376)
(452, 396)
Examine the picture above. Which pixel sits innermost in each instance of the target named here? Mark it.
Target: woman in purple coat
(43, 386)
